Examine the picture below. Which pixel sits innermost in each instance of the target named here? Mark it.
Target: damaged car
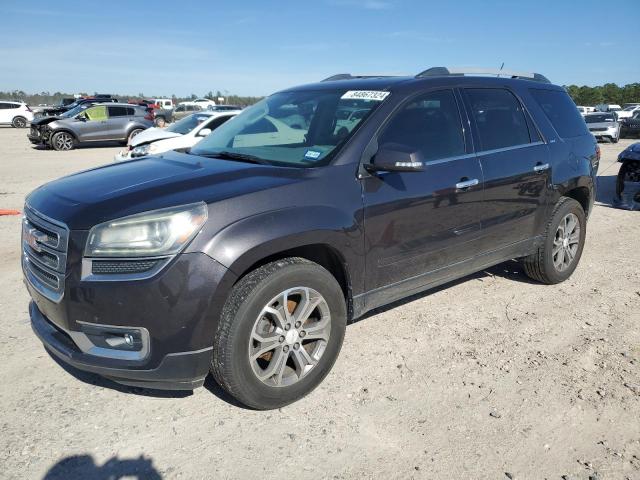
(628, 181)
(97, 123)
(181, 135)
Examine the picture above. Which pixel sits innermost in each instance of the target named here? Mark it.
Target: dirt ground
(492, 376)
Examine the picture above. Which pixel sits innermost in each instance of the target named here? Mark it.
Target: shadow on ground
(83, 467)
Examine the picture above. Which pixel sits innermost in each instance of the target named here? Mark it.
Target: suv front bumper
(177, 371)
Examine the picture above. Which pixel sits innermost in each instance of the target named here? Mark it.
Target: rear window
(561, 112)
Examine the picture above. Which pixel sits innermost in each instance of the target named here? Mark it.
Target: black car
(630, 127)
(62, 108)
(628, 179)
(248, 255)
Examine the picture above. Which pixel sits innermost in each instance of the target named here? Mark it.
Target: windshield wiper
(243, 157)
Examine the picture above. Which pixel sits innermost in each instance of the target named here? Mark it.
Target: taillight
(28, 109)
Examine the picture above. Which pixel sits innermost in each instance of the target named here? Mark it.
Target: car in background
(603, 126)
(98, 123)
(16, 114)
(223, 108)
(164, 103)
(185, 109)
(59, 109)
(630, 127)
(628, 179)
(202, 102)
(628, 112)
(181, 135)
(584, 110)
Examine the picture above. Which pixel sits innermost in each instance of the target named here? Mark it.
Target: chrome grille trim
(44, 253)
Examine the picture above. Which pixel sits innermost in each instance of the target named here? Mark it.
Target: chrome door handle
(541, 168)
(467, 184)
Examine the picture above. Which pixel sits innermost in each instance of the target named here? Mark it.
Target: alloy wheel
(566, 242)
(19, 123)
(289, 336)
(64, 141)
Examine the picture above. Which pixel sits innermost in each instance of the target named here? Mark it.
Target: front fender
(243, 243)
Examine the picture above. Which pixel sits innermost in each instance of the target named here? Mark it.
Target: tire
(544, 265)
(160, 122)
(63, 141)
(19, 122)
(133, 133)
(239, 357)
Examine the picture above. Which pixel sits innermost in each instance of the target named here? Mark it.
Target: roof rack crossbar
(452, 71)
(348, 76)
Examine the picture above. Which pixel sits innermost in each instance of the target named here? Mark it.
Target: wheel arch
(65, 130)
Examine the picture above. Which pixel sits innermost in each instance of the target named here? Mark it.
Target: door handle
(541, 167)
(464, 184)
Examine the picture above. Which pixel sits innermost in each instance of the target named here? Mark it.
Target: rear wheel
(561, 249)
(62, 141)
(133, 133)
(279, 334)
(19, 122)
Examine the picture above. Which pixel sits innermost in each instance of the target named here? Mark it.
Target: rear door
(119, 118)
(416, 223)
(5, 113)
(515, 165)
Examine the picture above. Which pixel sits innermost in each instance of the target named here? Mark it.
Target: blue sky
(256, 47)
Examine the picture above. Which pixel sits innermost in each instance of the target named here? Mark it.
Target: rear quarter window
(561, 112)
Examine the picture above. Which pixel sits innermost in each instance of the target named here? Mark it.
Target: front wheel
(279, 334)
(62, 141)
(563, 241)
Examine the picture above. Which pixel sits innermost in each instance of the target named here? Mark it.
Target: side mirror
(393, 157)
(82, 117)
(204, 132)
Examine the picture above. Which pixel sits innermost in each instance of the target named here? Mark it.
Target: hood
(152, 135)
(38, 120)
(116, 190)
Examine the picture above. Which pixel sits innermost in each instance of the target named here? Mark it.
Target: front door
(515, 164)
(93, 126)
(417, 223)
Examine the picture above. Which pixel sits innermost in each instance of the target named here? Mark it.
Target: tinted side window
(499, 118)
(430, 124)
(118, 111)
(561, 112)
(4, 106)
(217, 122)
(131, 111)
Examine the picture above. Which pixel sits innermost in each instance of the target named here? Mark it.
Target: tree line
(49, 98)
(607, 93)
(581, 95)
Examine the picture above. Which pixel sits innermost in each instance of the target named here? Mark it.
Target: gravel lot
(492, 376)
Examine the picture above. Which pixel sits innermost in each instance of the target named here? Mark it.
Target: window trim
(474, 125)
(408, 100)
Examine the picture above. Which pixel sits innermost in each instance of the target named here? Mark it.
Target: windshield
(187, 124)
(296, 129)
(599, 118)
(75, 111)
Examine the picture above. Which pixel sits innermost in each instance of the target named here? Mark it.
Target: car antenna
(501, 67)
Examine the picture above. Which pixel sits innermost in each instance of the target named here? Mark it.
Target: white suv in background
(16, 114)
(628, 112)
(165, 103)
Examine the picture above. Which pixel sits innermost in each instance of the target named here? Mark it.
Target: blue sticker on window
(313, 154)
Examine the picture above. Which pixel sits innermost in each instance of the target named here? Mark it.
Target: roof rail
(348, 76)
(451, 71)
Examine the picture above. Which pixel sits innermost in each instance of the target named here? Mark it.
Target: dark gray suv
(248, 255)
(97, 123)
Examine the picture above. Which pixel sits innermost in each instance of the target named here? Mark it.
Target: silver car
(99, 123)
(603, 126)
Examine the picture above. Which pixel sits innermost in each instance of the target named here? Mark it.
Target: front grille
(102, 267)
(599, 129)
(44, 253)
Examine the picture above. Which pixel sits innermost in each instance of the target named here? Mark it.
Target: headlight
(140, 151)
(155, 233)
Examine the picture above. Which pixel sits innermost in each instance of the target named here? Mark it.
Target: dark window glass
(561, 112)
(217, 122)
(131, 111)
(430, 124)
(499, 118)
(599, 118)
(4, 106)
(118, 111)
(13, 105)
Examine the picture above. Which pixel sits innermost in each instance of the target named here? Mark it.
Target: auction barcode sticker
(365, 95)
